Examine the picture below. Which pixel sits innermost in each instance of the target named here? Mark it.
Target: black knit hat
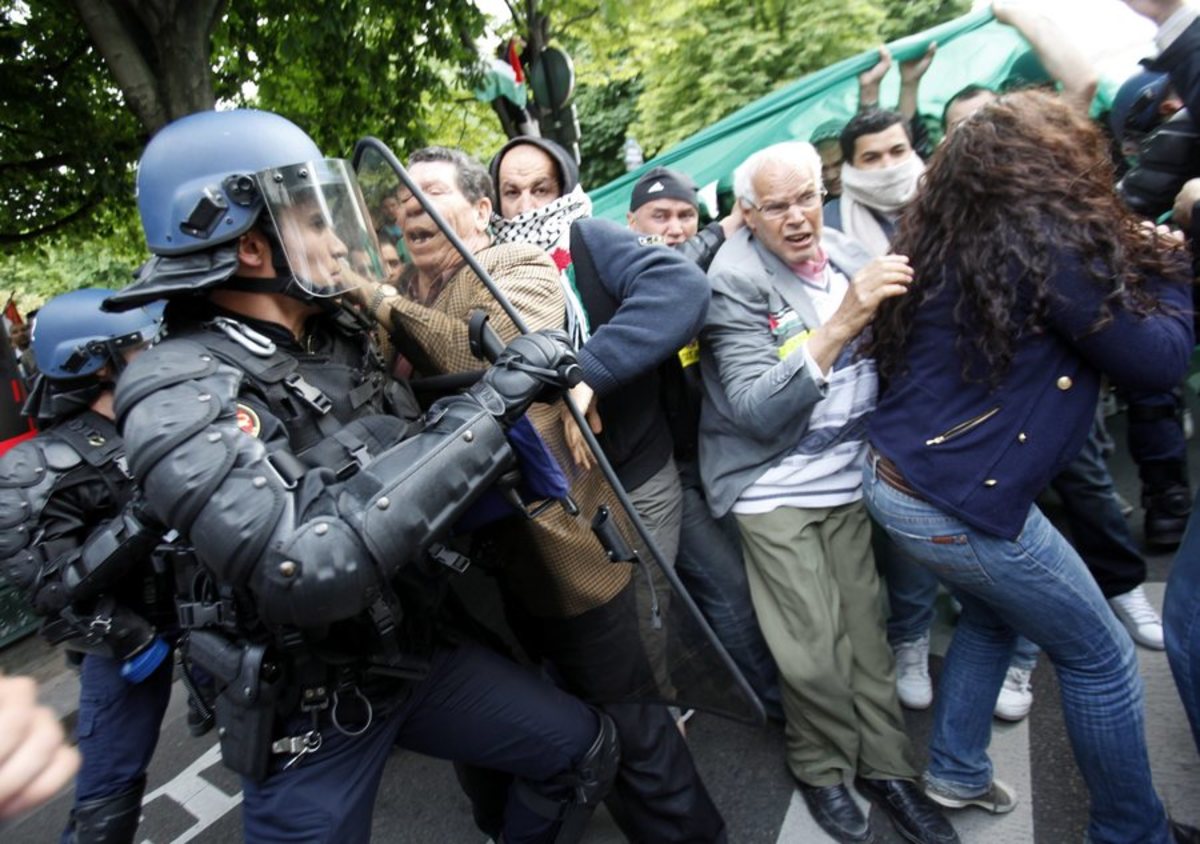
(661, 183)
(568, 170)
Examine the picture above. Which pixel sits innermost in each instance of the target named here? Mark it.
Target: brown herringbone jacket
(554, 564)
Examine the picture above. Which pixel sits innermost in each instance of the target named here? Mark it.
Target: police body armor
(300, 563)
(100, 593)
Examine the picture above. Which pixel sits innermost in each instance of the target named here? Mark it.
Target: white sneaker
(912, 673)
(1140, 619)
(1016, 695)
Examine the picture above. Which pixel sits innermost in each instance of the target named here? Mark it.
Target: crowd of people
(326, 396)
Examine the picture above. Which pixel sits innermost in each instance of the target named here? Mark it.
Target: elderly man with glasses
(781, 447)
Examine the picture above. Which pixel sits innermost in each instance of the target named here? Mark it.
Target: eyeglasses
(777, 209)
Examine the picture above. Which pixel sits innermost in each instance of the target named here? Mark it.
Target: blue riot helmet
(74, 339)
(206, 179)
(1135, 108)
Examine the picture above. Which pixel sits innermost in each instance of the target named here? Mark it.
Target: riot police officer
(265, 431)
(72, 540)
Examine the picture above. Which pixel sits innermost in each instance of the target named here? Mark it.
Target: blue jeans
(710, 565)
(1038, 586)
(1098, 529)
(1181, 621)
(911, 591)
(1099, 533)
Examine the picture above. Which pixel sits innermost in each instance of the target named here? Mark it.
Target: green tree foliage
(722, 57)
(87, 82)
(905, 17)
(699, 60)
(605, 112)
(66, 139)
(348, 68)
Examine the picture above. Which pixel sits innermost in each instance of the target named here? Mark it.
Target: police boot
(1167, 501)
(107, 820)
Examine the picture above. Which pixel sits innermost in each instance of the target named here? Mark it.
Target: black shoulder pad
(173, 414)
(26, 463)
(169, 363)
(26, 479)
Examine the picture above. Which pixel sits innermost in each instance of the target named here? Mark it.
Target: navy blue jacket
(644, 302)
(984, 454)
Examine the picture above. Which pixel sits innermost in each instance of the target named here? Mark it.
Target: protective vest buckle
(308, 394)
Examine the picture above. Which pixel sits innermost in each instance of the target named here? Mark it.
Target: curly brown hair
(1022, 184)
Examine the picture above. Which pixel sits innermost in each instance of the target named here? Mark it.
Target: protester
(1039, 282)
(880, 174)
(265, 432)
(629, 324)
(392, 262)
(1178, 39)
(20, 335)
(1085, 487)
(781, 448)
(568, 603)
(665, 203)
(538, 197)
(826, 138)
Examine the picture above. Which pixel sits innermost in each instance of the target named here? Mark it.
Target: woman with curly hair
(1031, 282)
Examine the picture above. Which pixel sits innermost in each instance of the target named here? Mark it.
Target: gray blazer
(756, 406)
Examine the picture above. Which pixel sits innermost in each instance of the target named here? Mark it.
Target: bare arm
(1057, 52)
(868, 81)
(910, 81)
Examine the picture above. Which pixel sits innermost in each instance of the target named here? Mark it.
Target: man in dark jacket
(709, 561)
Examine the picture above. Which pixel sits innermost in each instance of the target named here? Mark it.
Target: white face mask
(889, 189)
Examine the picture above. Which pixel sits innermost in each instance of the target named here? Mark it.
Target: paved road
(192, 798)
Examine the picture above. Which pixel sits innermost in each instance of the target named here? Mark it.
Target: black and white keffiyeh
(549, 228)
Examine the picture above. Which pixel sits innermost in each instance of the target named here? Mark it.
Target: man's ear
(483, 213)
(629, 218)
(254, 254)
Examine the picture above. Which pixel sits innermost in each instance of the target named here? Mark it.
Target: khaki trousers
(816, 592)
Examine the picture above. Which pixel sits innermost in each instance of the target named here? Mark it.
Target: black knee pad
(573, 796)
(108, 820)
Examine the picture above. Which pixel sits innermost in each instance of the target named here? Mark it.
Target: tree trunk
(159, 52)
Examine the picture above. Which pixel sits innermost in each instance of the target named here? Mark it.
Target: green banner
(971, 49)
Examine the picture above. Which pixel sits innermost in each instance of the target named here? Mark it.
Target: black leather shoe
(1184, 834)
(915, 816)
(834, 810)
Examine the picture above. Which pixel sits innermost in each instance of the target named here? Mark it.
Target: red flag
(10, 311)
(514, 60)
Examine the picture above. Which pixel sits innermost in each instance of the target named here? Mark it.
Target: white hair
(803, 156)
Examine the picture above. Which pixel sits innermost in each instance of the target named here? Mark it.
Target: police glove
(533, 367)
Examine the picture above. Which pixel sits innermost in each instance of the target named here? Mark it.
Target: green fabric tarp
(971, 49)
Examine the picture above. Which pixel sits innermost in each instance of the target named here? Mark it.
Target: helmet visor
(323, 225)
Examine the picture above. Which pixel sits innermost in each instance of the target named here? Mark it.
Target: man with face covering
(879, 176)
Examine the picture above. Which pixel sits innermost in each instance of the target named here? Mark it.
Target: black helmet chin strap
(285, 280)
(48, 402)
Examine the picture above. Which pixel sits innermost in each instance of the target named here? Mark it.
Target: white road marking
(198, 797)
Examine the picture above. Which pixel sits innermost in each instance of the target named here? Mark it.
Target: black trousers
(598, 656)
